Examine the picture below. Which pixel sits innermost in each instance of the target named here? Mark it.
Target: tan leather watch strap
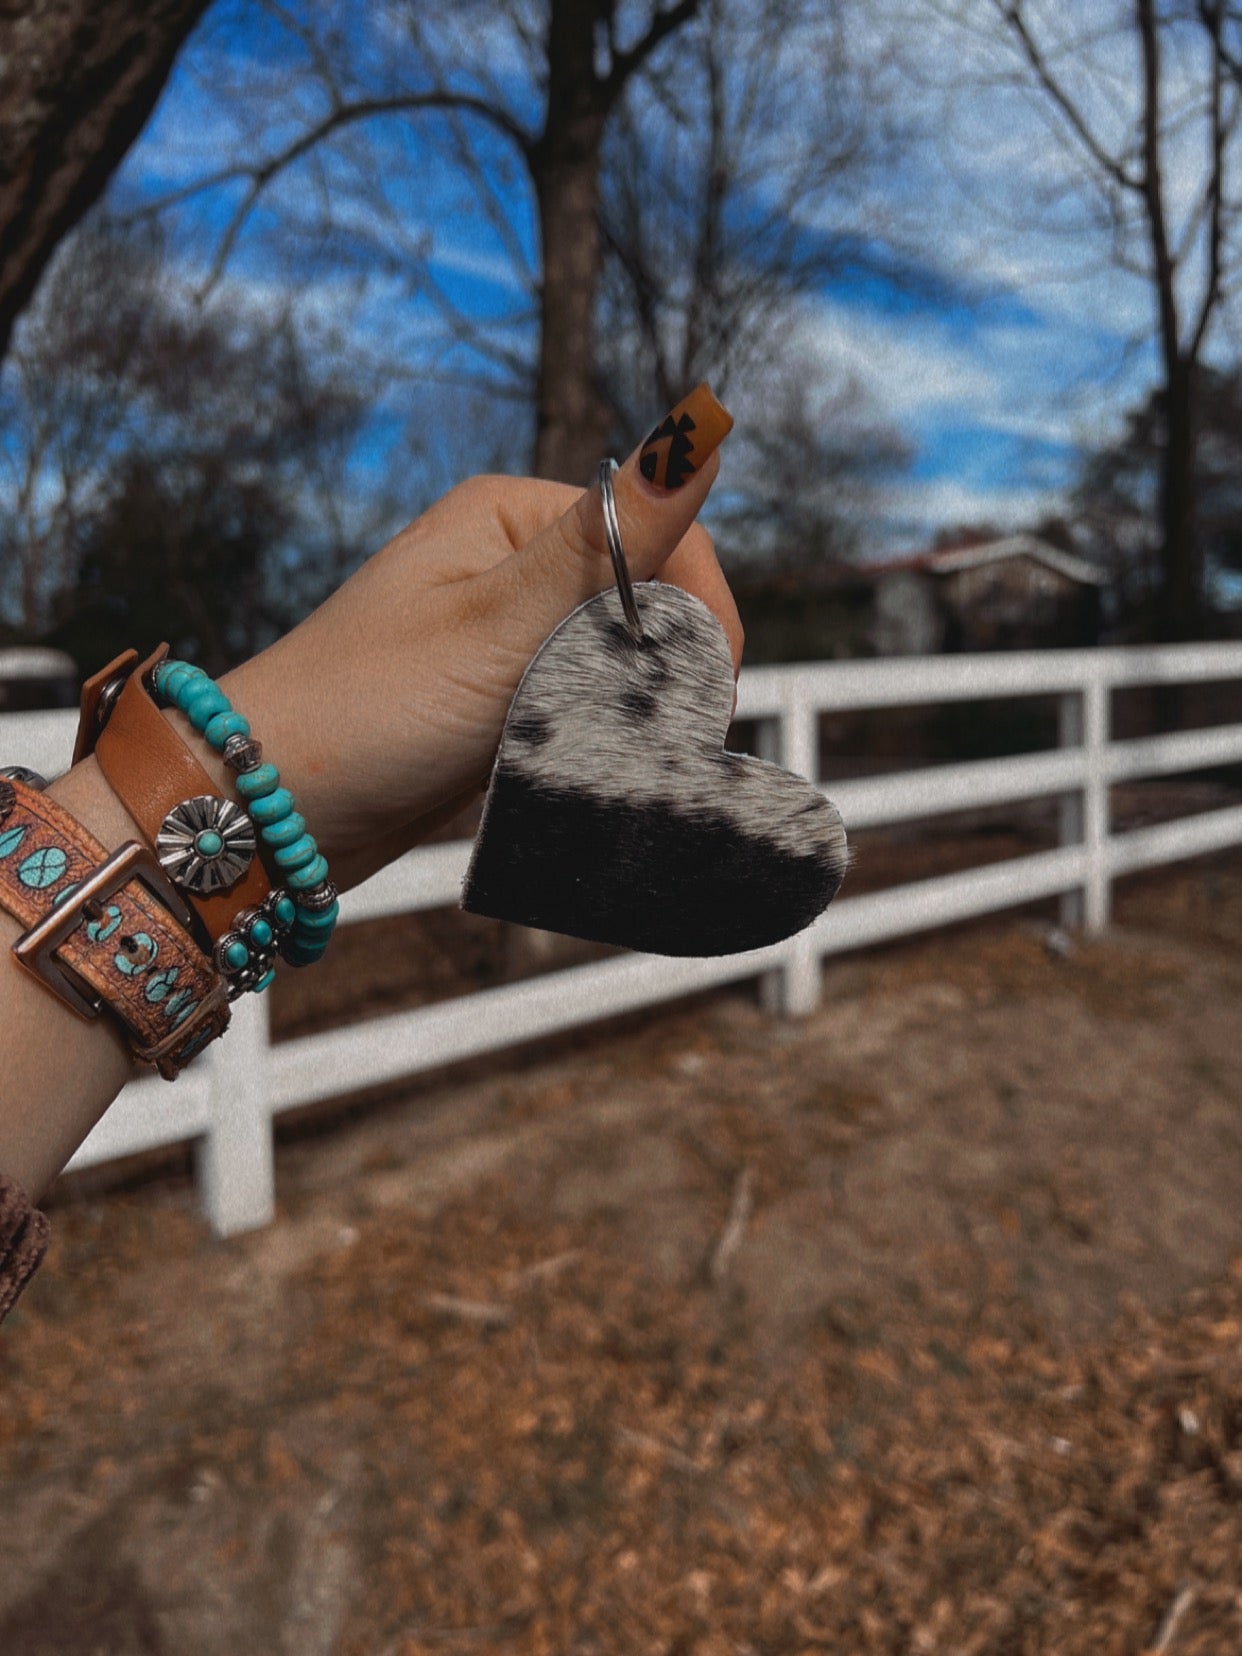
(151, 770)
(98, 936)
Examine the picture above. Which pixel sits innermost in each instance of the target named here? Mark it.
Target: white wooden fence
(226, 1101)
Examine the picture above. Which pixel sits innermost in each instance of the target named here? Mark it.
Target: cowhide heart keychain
(613, 812)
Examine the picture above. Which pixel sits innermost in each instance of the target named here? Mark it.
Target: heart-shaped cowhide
(613, 811)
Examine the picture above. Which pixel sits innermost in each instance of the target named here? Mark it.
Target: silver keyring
(612, 529)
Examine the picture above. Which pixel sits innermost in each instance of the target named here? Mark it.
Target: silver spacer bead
(318, 898)
(242, 753)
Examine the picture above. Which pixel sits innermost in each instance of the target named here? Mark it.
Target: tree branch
(1011, 12)
(1153, 186)
(1210, 16)
(339, 117)
(625, 64)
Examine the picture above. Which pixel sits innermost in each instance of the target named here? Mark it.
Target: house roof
(948, 560)
(34, 661)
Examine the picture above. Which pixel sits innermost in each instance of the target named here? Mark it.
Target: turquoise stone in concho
(260, 934)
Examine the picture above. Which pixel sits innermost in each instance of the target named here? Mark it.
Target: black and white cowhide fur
(613, 811)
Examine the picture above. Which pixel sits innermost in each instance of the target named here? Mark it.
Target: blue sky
(1022, 354)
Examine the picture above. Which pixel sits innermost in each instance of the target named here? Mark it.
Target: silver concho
(187, 849)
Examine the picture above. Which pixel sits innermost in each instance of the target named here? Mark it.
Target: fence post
(793, 989)
(234, 1164)
(1071, 724)
(1084, 722)
(1097, 736)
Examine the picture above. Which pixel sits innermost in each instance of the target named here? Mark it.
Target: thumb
(659, 491)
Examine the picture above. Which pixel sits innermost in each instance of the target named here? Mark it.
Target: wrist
(61, 1071)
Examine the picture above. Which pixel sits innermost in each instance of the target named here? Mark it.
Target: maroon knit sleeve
(24, 1235)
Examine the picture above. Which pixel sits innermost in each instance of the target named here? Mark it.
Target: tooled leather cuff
(106, 931)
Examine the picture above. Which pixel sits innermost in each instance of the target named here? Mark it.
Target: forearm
(60, 1071)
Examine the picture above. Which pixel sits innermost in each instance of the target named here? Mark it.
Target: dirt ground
(914, 1327)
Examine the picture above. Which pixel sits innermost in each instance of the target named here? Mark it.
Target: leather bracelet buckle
(131, 861)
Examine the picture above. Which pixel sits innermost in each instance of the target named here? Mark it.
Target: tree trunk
(78, 79)
(1180, 617)
(572, 418)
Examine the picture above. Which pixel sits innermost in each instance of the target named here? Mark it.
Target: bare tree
(159, 456)
(1144, 100)
(353, 110)
(78, 80)
(807, 477)
(742, 181)
(738, 177)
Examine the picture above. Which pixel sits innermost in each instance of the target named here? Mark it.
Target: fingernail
(684, 439)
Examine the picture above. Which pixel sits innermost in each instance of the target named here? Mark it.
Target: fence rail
(226, 1102)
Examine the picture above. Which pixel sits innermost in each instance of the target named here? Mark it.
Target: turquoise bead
(182, 669)
(225, 725)
(253, 784)
(204, 704)
(297, 855)
(184, 682)
(260, 934)
(263, 982)
(286, 830)
(302, 954)
(271, 807)
(171, 681)
(208, 843)
(310, 922)
(306, 879)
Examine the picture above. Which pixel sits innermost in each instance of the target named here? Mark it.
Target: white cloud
(911, 511)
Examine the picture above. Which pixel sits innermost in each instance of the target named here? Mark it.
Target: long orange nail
(684, 439)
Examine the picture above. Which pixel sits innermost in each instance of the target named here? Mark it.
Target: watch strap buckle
(35, 948)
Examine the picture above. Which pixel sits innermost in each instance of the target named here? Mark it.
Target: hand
(384, 709)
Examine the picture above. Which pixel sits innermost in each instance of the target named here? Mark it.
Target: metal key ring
(612, 530)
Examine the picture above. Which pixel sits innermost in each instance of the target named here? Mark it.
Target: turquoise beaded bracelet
(304, 912)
